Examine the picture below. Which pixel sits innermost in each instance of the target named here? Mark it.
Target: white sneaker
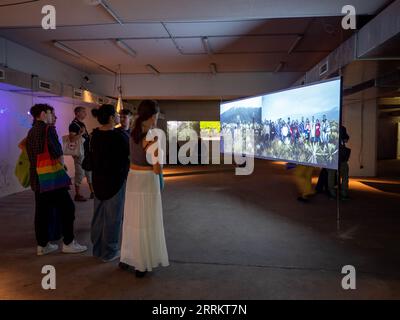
(41, 251)
(115, 257)
(73, 247)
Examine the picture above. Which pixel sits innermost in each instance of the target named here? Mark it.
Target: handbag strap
(46, 148)
(80, 127)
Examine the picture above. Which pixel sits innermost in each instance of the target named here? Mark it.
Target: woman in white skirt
(143, 241)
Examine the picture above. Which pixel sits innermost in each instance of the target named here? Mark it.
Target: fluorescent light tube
(72, 52)
(279, 67)
(125, 47)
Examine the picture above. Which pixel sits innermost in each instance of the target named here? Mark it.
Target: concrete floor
(228, 237)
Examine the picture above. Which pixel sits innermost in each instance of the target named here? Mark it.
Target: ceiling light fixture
(206, 45)
(213, 68)
(106, 69)
(295, 43)
(111, 12)
(120, 104)
(152, 69)
(279, 67)
(72, 52)
(125, 47)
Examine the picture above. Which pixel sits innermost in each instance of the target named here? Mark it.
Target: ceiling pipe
(106, 69)
(152, 69)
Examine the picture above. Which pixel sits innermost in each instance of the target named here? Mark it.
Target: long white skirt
(143, 240)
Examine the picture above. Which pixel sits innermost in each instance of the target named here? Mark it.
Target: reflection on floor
(228, 237)
(385, 187)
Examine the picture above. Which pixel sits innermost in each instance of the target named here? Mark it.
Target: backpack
(22, 169)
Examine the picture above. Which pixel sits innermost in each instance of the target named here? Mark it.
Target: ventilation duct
(16, 81)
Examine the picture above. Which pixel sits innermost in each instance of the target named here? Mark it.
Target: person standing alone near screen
(77, 130)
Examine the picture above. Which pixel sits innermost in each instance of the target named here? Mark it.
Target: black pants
(322, 184)
(46, 202)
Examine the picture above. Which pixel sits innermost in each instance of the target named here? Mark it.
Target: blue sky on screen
(245, 103)
(309, 100)
(314, 99)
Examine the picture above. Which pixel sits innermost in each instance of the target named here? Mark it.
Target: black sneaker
(301, 199)
(140, 274)
(126, 267)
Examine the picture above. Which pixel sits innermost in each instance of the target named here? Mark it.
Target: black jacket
(109, 155)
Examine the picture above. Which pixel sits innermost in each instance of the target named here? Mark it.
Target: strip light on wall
(63, 47)
(152, 69)
(125, 47)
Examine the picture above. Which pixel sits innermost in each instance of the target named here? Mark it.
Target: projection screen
(299, 125)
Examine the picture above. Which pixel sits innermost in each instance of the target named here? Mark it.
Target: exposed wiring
(115, 84)
(119, 81)
(17, 3)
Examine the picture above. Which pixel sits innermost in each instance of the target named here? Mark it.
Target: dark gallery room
(229, 150)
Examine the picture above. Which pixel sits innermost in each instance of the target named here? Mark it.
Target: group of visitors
(328, 178)
(127, 221)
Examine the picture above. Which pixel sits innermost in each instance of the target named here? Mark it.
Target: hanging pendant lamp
(120, 105)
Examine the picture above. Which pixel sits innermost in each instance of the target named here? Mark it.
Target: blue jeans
(106, 225)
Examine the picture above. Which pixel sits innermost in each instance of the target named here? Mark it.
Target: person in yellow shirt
(303, 175)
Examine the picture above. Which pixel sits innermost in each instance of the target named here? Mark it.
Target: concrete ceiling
(239, 46)
(243, 36)
(83, 12)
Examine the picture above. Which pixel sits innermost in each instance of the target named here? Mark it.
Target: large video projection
(206, 130)
(299, 125)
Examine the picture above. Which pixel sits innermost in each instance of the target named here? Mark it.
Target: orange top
(143, 168)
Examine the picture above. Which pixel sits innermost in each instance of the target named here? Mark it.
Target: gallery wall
(14, 125)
